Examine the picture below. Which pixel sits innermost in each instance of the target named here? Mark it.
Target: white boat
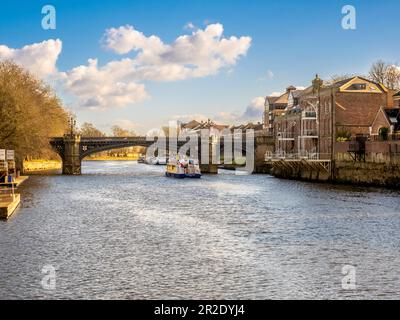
(182, 168)
(161, 160)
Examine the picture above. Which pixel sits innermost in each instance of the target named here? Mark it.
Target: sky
(140, 64)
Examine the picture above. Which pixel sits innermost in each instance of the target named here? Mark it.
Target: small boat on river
(183, 168)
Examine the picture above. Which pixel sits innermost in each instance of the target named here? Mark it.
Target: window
(358, 86)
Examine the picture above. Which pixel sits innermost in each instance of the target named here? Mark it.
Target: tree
(337, 77)
(89, 130)
(30, 113)
(387, 74)
(117, 131)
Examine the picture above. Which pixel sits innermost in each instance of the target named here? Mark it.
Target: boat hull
(175, 175)
(193, 175)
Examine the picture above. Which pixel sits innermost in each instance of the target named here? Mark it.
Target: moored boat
(182, 168)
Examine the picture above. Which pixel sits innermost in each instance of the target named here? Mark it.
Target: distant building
(275, 106)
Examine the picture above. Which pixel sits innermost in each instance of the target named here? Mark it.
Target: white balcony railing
(285, 136)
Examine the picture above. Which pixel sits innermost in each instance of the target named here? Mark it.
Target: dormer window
(358, 86)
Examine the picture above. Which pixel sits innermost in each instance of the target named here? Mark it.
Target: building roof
(191, 125)
(271, 99)
(283, 99)
(393, 115)
(210, 125)
(341, 83)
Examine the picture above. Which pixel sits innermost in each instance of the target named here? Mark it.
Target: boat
(182, 168)
(9, 200)
(161, 160)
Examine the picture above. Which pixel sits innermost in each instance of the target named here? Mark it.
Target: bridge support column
(71, 160)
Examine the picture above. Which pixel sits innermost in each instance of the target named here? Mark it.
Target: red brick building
(330, 113)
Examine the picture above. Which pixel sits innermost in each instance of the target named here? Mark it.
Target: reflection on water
(123, 230)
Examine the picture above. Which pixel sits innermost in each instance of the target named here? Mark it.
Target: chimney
(389, 98)
(290, 88)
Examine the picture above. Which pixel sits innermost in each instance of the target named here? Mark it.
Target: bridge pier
(71, 162)
(210, 166)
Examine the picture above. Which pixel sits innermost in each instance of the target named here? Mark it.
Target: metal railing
(390, 137)
(285, 135)
(306, 155)
(309, 133)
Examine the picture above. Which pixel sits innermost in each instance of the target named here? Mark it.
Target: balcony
(285, 136)
(309, 115)
(310, 133)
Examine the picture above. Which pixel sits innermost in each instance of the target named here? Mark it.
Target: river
(124, 231)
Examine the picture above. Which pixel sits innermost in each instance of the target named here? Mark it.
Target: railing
(302, 155)
(285, 136)
(390, 137)
(309, 115)
(310, 133)
(6, 192)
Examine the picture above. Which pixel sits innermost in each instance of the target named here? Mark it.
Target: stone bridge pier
(71, 158)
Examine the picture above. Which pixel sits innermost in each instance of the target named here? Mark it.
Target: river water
(124, 231)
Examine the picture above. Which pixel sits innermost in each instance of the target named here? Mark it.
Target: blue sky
(292, 40)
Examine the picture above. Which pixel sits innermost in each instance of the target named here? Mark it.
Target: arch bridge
(73, 148)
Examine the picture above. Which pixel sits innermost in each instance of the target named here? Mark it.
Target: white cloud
(276, 94)
(189, 25)
(126, 124)
(188, 117)
(103, 87)
(38, 58)
(202, 53)
(119, 83)
(252, 113)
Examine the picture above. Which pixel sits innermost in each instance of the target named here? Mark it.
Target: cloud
(103, 87)
(254, 110)
(276, 94)
(252, 113)
(189, 25)
(38, 58)
(200, 54)
(125, 124)
(188, 117)
(120, 82)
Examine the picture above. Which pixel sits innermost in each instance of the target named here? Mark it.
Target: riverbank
(41, 165)
(106, 158)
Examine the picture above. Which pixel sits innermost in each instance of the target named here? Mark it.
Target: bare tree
(89, 130)
(387, 74)
(337, 77)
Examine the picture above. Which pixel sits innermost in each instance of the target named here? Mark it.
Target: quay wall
(381, 167)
